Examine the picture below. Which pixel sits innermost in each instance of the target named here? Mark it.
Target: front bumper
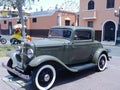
(21, 75)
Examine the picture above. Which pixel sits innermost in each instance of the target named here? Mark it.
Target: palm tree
(17, 4)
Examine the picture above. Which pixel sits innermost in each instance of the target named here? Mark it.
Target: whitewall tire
(102, 62)
(44, 77)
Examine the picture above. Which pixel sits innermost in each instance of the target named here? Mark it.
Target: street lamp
(25, 20)
(117, 14)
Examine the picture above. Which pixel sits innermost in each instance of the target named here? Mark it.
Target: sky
(50, 4)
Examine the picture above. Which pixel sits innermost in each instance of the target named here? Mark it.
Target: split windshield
(59, 33)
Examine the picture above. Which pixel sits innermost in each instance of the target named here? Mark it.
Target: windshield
(61, 33)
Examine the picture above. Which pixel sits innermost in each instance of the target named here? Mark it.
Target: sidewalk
(115, 50)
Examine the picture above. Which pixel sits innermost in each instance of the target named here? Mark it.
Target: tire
(9, 64)
(44, 77)
(102, 62)
(3, 41)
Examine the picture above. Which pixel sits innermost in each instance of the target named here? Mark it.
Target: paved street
(84, 80)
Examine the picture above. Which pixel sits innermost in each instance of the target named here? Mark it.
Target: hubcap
(46, 77)
(102, 62)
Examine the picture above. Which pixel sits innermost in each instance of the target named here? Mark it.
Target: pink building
(99, 14)
(39, 23)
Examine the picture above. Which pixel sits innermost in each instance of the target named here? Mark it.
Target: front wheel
(44, 77)
(9, 64)
(102, 62)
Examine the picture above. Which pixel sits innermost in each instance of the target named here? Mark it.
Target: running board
(84, 66)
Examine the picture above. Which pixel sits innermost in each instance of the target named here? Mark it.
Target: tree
(19, 5)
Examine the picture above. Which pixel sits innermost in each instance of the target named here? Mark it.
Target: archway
(109, 31)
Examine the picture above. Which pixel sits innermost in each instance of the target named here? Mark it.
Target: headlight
(30, 53)
(18, 50)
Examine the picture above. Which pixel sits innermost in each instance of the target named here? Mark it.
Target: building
(99, 14)
(39, 23)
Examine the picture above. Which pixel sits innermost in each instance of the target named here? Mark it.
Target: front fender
(44, 58)
(12, 55)
(98, 53)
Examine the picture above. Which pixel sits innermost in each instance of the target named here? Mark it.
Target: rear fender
(98, 53)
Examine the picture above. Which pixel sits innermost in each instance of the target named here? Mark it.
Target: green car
(67, 47)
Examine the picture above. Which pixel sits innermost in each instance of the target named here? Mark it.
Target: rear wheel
(102, 62)
(9, 64)
(44, 77)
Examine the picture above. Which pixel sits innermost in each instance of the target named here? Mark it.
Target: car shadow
(64, 77)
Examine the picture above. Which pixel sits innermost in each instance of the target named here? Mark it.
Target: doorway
(109, 31)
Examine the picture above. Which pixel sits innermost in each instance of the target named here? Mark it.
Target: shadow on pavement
(62, 78)
(66, 76)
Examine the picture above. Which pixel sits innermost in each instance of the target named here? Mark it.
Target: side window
(66, 33)
(82, 35)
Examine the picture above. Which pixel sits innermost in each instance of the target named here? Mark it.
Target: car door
(81, 46)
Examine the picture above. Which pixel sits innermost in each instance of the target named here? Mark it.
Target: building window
(90, 5)
(67, 22)
(5, 22)
(90, 24)
(34, 20)
(110, 3)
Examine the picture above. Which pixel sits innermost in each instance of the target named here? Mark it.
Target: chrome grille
(22, 57)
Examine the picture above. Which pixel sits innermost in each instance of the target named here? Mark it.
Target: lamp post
(117, 14)
(25, 19)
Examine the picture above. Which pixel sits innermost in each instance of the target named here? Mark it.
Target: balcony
(89, 14)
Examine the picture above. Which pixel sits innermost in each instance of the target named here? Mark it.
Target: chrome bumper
(25, 77)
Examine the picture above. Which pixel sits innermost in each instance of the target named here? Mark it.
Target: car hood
(50, 42)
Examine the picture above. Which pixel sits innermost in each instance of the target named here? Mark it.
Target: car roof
(74, 27)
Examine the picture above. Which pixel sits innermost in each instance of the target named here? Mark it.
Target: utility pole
(117, 14)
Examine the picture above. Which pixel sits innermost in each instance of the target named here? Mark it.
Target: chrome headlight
(18, 50)
(30, 53)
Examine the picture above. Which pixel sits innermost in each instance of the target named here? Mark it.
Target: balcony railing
(89, 14)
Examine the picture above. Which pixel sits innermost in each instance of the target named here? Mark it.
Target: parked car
(67, 47)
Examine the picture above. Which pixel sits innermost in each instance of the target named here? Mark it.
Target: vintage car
(67, 47)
